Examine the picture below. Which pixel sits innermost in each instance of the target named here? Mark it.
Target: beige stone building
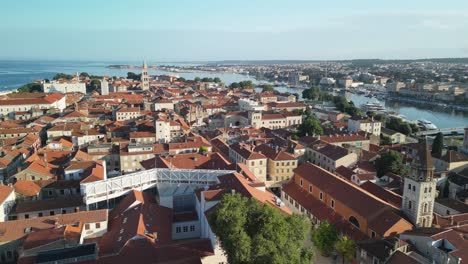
(129, 113)
(280, 165)
(255, 161)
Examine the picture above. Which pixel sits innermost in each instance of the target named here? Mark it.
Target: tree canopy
(438, 145)
(63, 76)
(30, 88)
(133, 76)
(242, 84)
(346, 247)
(325, 237)
(267, 88)
(391, 161)
(310, 126)
(347, 107)
(251, 232)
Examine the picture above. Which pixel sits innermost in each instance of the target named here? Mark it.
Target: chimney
(451, 220)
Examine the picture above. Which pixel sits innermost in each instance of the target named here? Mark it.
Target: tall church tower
(144, 77)
(419, 188)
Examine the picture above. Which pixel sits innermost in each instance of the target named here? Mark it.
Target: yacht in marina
(426, 124)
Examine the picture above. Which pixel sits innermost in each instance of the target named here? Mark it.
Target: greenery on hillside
(30, 88)
(251, 232)
(391, 161)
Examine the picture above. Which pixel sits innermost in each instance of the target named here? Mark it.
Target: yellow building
(280, 165)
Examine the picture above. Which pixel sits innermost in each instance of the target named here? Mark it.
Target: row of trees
(206, 79)
(327, 239)
(251, 232)
(314, 93)
(396, 124)
(342, 104)
(242, 85)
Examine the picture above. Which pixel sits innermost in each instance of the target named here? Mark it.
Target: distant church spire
(144, 77)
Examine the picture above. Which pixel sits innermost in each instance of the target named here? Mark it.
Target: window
(410, 204)
(51, 213)
(39, 214)
(301, 182)
(414, 188)
(185, 229)
(425, 189)
(9, 254)
(321, 196)
(286, 196)
(409, 187)
(310, 188)
(430, 189)
(448, 212)
(372, 234)
(192, 228)
(64, 211)
(177, 229)
(26, 216)
(87, 227)
(50, 192)
(62, 192)
(354, 221)
(98, 225)
(332, 203)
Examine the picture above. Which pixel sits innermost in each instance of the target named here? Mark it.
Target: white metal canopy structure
(98, 191)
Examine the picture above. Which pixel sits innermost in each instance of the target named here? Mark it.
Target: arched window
(424, 222)
(414, 188)
(354, 221)
(410, 204)
(425, 208)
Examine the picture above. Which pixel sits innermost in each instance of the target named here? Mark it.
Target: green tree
(234, 85)
(438, 145)
(267, 88)
(30, 88)
(251, 232)
(312, 93)
(203, 149)
(182, 79)
(84, 74)
(93, 86)
(133, 76)
(197, 79)
(325, 237)
(206, 79)
(310, 126)
(63, 76)
(385, 140)
(216, 80)
(346, 247)
(391, 161)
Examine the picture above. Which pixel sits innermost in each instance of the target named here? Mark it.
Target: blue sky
(174, 30)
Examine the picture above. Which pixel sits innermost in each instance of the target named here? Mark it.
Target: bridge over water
(443, 130)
